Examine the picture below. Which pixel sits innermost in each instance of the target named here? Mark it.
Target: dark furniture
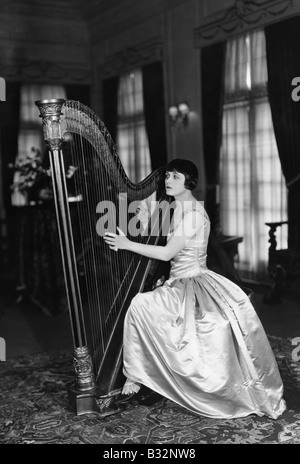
(222, 254)
(283, 268)
(39, 270)
(39, 267)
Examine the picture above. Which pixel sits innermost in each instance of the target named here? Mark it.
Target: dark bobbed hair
(187, 168)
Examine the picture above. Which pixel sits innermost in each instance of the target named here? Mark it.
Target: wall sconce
(178, 115)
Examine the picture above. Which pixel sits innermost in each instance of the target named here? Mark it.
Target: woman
(197, 339)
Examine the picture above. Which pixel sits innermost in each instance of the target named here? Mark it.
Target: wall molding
(131, 57)
(43, 71)
(245, 15)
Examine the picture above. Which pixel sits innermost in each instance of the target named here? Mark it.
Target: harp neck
(62, 116)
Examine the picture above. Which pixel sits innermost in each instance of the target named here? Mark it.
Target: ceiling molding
(245, 15)
(132, 57)
(45, 71)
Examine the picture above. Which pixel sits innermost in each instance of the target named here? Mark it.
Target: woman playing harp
(99, 283)
(196, 339)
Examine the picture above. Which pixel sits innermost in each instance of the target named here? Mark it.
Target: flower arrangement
(30, 173)
(33, 179)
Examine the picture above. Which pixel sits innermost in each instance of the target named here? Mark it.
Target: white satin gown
(198, 341)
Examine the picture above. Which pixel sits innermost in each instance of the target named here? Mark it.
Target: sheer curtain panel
(252, 187)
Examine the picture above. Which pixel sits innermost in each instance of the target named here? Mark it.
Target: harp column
(51, 114)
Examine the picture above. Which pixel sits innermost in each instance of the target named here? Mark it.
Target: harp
(100, 283)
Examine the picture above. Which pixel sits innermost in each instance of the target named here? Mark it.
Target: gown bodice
(191, 260)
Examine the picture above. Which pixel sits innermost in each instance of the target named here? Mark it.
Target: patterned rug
(34, 409)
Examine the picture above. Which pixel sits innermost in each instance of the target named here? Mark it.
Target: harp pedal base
(93, 402)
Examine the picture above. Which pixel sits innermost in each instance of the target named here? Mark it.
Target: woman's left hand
(116, 241)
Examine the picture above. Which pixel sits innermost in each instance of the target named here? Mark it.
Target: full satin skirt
(199, 342)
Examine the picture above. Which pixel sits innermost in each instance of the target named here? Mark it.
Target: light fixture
(178, 115)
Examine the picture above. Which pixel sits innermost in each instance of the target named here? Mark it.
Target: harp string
(91, 257)
(100, 328)
(107, 275)
(85, 215)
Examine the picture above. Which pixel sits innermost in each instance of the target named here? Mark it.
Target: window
(252, 186)
(132, 140)
(30, 133)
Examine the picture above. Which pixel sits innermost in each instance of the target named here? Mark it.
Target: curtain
(30, 93)
(78, 92)
(132, 138)
(212, 77)
(153, 109)
(154, 112)
(30, 131)
(30, 127)
(110, 105)
(9, 128)
(9, 125)
(283, 52)
(252, 187)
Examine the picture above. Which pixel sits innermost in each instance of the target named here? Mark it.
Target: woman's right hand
(117, 241)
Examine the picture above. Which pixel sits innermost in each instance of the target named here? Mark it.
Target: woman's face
(174, 182)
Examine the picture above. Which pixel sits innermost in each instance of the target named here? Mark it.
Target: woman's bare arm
(184, 231)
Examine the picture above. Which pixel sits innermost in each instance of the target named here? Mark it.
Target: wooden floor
(28, 331)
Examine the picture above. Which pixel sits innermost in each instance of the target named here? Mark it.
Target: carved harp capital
(50, 112)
